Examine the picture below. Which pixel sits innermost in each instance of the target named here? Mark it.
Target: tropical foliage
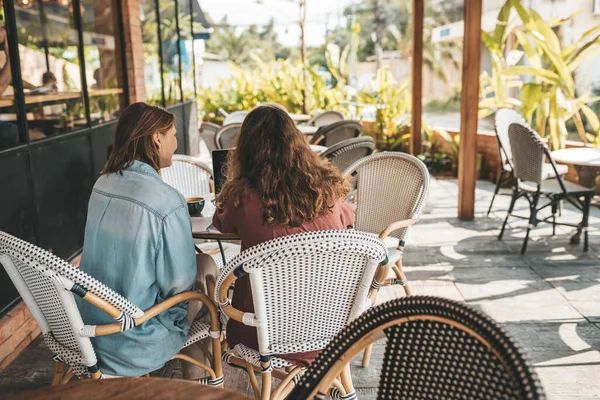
(542, 70)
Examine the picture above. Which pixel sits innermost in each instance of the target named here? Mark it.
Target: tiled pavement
(549, 299)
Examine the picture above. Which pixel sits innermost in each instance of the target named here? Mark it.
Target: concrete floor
(548, 300)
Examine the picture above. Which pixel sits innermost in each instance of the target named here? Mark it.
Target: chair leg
(367, 356)
(586, 214)
(554, 207)
(397, 268)
(347, 383)
(266, 386)
(496, 190)
(513, 200)
(532, 220)
(62, 373)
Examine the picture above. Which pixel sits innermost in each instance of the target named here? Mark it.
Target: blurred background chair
(225, 137)
(190, 176)
(347, 152)
(337, 132)
(208, 133)
(503, 119)
(529, 153)
(434, 349)
(325, 118)
(236, 117)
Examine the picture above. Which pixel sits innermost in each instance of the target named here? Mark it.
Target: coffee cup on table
(195, 205)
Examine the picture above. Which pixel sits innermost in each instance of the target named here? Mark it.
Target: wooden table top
(131, 389)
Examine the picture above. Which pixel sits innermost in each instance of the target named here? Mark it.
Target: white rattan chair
(503, 119)
(190, 176)
(305, 288)
(47, 284)
(208, 133)
(325, 118)
(236, 117)
(227, 135)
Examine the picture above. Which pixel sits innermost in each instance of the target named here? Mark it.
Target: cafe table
(307, 129)
(585, 160)
(300, 117)
(131, 389)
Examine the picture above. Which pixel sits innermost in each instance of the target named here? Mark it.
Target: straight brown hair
(133, 137)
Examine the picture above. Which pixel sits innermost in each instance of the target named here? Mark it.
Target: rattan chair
(227, 135)
(47, 284)
(190, 176)
(531, 182)
(503, 119)
(347, 152)
(325, 118)
(337, 132)
(434, 349)
(236, 117)
(208, 132)
(299, 302)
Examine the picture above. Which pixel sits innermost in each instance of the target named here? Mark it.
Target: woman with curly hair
(276, 186)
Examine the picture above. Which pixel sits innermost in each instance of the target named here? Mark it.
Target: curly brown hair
(294, 185)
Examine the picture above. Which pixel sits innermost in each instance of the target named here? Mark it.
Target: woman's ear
(156, 138)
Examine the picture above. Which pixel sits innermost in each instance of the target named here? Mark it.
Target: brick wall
(134, 50)
(17, 330)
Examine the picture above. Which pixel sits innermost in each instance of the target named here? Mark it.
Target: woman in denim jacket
(138, 242)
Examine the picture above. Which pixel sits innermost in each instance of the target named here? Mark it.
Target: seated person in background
(276, 186)
(49, 84)
(138, 242)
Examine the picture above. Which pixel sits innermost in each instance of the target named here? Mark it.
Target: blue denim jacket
(138, 242)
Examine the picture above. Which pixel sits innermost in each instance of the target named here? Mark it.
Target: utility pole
(302, 4)
(379, 26)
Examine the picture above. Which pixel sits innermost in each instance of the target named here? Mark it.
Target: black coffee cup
(195, 205)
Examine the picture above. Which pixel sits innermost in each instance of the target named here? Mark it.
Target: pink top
(247, 222)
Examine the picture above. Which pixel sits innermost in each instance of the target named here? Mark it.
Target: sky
(320, 15)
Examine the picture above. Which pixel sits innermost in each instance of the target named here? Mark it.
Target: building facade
(67, 69)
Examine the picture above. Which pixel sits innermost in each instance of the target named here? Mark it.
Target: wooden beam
(417, 76)
(469, 101)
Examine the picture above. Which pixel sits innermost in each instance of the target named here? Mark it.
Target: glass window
(151, 58)
(186, 45)
(9, 131)
(103, 64)
(170, 54)
(50, 67)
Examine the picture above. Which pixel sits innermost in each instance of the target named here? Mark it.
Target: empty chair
(226, 136)
(347, 152)
(337, 132)
(190, 176)
(325, 118)
(208, 132)
(236, 117)
(528, 154)
(504, 118)
(298, 300)
(435, 349)
(48, 284)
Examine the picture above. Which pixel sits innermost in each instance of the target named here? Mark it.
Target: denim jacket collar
(142, 168)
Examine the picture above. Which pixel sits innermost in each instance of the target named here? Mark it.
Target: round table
(300, 117)
(317, 148)
(307, 129)
(131, 389)
(585, 160)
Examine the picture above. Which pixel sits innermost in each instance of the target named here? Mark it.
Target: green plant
(549, 100)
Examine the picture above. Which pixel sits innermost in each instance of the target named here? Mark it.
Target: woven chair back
(208, 132)
(188, 175)
(504, 118)
(236, 117)
(528, 153)
(46, 284)
(307, 286)
(434, 349)
(391, 187)
(326, 118)
(337, 132)
(347, 152)
(227, 136)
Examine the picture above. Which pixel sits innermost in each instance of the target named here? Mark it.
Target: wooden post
(469, 100)
(417, 77)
